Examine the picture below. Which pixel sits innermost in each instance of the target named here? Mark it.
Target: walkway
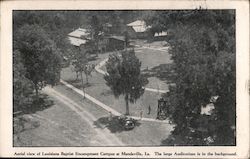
(102, 63)
(104, 106)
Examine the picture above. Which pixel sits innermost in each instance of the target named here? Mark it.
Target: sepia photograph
(124, 78)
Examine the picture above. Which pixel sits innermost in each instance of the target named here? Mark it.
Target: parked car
(126, 122)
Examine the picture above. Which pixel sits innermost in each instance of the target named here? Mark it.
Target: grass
(60, 126)
(151, 59)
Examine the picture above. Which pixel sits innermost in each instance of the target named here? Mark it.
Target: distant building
(77, 41)
(79, 37)
(160, 36)
(80, 33)
(115, 42)
(138, 29)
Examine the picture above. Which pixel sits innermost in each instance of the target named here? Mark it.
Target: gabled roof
(139, 26)
(78, 33)
(76, 41)
(137, 23)
(121, 38)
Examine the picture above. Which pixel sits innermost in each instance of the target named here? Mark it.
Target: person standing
(149, 109)
(110, 116)
(141, 113)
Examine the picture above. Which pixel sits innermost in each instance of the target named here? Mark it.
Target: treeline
(203, 50)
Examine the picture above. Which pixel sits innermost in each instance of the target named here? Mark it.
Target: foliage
(39, 56)
(80, 60)
(56, 24)
(23, 88)
(203, 49)
(96, 31)
(124, 76)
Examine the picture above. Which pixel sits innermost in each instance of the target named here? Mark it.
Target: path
(99, 70)
(104, 106)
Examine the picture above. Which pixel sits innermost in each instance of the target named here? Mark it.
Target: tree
(23, 88)
(39, 55)
(80, 63)
(126, 36)
(124, 76)
(203, 50)
(96, 31)
(56, 25)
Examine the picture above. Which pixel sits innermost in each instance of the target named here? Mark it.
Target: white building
(79, 37)
(138, 29)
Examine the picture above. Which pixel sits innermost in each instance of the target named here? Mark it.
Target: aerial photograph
(124, 78)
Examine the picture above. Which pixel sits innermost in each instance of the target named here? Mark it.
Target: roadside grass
(102, 92)
(59, 126)
(113, 124)
(144, 134)
(147, 134)
(23, 121)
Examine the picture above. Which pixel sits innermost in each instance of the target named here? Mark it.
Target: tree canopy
(203, 50)
(40, 57)
(124, 76)
(22, 86)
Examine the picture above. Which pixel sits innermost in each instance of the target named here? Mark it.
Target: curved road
(102, 63)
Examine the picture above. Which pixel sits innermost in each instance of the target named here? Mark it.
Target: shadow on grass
(107, 93)
(163, 71)
(77, 83)
(23, 120)
(113, 125)
(38, 104)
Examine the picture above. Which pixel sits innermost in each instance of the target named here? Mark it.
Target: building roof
(76, 41)
(137, 23)
(121, 38)
(139, 26)
(163, 33)
(78, 33)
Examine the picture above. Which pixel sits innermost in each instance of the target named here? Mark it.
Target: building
(80, 33)
(160, 36)
(138, 29)
(79, 37)
(115, 42)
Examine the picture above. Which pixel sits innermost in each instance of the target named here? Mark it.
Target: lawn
(60, 126)
(150, 59)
